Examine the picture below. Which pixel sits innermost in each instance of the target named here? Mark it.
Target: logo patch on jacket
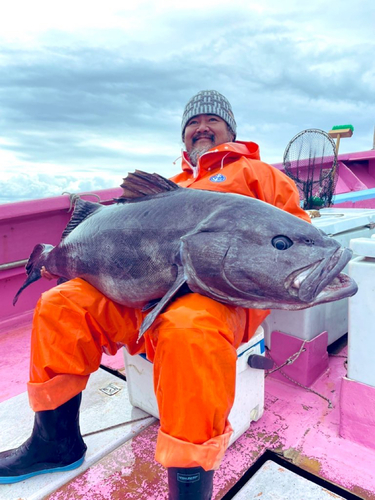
(218, 178)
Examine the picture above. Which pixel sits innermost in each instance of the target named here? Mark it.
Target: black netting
(310, 160)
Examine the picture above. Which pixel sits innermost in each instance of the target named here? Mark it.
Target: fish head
(268, 258)
(291, 269)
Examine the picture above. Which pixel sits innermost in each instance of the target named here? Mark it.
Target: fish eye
(281, 242)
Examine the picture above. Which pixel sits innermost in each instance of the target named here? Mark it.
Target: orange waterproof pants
(192, 345)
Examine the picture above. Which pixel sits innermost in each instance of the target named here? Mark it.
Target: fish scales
(141, 254)
(232, 248)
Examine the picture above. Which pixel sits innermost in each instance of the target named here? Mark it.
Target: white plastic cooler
(249, 399)
(342, 224)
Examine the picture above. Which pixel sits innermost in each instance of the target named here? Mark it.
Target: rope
(290, 360)
(74, 197)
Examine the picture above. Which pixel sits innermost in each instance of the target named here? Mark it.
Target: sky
(90, 91)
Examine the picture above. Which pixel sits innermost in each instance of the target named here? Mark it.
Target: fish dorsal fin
(82, 210)
(139, 184)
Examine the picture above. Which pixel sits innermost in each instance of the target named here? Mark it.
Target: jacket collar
(220, 155)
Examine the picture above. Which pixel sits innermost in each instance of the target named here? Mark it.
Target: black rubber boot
(190, 484)
(55, 445)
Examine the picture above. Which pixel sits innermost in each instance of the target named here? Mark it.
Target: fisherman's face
(203, 132)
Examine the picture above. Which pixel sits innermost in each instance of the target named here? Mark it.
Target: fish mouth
(322, 281)
(314, 284)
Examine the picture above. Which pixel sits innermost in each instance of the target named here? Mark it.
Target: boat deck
(298, 431)
(297, 427)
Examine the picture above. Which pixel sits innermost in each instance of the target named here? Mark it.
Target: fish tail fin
(33, 267)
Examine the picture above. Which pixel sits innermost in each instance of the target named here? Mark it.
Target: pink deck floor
(14, 360)
(298, 425)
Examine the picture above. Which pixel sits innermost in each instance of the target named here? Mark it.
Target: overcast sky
(90, 91)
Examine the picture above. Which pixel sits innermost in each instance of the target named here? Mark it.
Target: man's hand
(46, 274)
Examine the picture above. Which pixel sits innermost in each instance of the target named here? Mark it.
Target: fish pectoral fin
(150, 305)
(151, 316)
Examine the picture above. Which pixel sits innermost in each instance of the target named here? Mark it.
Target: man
(192, 343)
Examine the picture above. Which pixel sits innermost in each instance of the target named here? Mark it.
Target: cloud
(22, 187)
(104, 95)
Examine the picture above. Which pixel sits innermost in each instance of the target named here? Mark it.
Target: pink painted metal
(356, 173)
(357, 412)
(22, 226)
(14, 360)
(309, 364)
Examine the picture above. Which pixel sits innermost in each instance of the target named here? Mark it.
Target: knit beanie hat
(209, 102)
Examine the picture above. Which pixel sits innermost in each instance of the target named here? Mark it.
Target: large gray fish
(161, 237)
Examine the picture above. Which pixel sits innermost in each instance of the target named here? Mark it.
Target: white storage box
(361, 341)
(342, 224)
(249, 398)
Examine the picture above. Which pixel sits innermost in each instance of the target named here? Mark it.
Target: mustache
(203, 135)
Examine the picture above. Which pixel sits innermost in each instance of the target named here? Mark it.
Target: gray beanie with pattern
(209, 102)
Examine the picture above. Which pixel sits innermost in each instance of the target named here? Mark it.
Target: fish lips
(323, 281)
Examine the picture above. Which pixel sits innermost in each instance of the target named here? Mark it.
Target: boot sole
(17, 479)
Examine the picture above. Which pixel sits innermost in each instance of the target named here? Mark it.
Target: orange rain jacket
(235, 167)
(192, 343)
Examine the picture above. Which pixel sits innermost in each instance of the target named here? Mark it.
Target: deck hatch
(274, 462)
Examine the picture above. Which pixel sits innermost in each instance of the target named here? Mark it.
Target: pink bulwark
(356, 173)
